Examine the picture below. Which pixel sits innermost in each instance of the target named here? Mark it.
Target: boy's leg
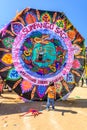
(52, 102)
(48, 103)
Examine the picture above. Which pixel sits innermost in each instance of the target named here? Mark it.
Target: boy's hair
(51, 84)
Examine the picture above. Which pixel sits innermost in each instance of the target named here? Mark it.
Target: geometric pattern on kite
(38, 47)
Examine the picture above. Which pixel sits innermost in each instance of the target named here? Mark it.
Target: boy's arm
(46, 91)
(55, 94)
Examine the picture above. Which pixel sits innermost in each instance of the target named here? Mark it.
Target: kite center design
(43, 53)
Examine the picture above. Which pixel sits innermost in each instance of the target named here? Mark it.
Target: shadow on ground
(81, 103)
(7, 108)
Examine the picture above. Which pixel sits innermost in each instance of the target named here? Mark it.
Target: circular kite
(38, 47)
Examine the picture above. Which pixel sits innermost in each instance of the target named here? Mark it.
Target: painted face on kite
(38, 47)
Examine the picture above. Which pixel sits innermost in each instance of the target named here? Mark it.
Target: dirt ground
(69, 115)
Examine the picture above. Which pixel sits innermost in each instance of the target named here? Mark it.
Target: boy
(51, 91)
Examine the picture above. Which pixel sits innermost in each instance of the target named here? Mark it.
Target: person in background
(86, 81)
(82, 83)
(6, 86)
(51, 96)
(1, 85)
(58, 86)
(86, 74)
(9, 89)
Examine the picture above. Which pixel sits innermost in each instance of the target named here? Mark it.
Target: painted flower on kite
(60, 23)
(71, 34)
(26, 86)
(76, 64)
(30, 18)
(7, 58)
(16, 27)
(41, 90)
(13, 75)
(8, 41)
(46, 17)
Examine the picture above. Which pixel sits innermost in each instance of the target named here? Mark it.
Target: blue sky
(75, 10)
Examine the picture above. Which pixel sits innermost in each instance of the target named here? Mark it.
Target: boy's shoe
(53, 108)
(47, 109)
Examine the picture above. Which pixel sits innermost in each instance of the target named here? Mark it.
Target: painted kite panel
(38, 47)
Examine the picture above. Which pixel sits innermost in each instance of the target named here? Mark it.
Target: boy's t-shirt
(51, 92)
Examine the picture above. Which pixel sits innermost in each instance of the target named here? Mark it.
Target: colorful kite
(38, 47)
